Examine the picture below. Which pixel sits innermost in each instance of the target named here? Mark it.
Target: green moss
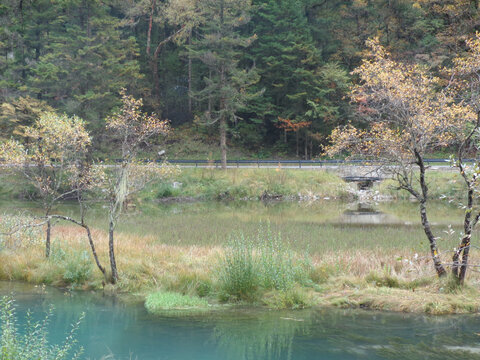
(161, 301)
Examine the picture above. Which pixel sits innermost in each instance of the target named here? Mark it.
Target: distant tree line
(269, 75)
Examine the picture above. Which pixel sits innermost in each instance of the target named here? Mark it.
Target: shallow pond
(125, 331)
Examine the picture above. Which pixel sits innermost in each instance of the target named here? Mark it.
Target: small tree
(406, 116)
(56, 145)
(54, 162)
(133, 128)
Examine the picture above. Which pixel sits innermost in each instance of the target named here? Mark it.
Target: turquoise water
(114, 329)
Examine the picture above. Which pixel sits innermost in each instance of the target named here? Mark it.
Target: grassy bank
(254, 184)
(259, 273)
(266, 184)
(250, 184)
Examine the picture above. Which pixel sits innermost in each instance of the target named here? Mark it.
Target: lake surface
(125, 331)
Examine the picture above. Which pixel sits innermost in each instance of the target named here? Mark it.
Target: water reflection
(260, 337)
(367, 214)
(129, 332)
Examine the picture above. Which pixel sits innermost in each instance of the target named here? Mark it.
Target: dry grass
(379, 279)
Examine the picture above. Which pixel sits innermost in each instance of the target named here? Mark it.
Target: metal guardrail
(328, 162)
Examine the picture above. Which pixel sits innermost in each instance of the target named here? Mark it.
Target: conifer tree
(225, 89)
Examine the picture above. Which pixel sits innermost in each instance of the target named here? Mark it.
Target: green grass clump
(32, 342)
(239, 269)
(264, 262)
(160, 301)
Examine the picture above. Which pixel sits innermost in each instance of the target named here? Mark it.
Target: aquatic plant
(32, 342)
(159, 301)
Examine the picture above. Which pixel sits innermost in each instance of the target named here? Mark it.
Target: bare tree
(132, 128)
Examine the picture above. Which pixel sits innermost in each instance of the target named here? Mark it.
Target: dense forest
(269, 76)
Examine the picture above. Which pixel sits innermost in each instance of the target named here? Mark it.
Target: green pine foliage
(242, 63)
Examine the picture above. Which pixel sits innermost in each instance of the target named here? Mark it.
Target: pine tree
(225, 91)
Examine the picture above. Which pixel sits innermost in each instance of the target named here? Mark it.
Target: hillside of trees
(268, 76)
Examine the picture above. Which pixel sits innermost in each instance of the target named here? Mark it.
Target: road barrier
(291, 163)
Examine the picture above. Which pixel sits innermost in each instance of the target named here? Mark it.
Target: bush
(31, 343)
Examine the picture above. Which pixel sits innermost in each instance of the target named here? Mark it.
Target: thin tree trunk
(94, 252)
(111, 252)
(306, 146)
(150, 23)
(155, 60)
(190, 75)
(47, 242)
(223, 120)
(90, 239)
(223, 141)
(297, 143)
(425, 222)
(465, 243)
(467, 223)
(432, 240)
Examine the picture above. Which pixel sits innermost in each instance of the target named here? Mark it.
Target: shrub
(32, 343)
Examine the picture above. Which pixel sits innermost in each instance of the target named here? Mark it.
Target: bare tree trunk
(47, 242)
(190, 75)
(468, 225)
(90, 239)
(432, 240)
(223, 120)
(150, 23)
(111, 252)
(297, 143)
(425, 222)
(465, 243)
(155, 60)
(306, 146)
(94, 252)
(223, 141)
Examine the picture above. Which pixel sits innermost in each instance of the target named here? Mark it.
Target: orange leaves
(290, 125)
